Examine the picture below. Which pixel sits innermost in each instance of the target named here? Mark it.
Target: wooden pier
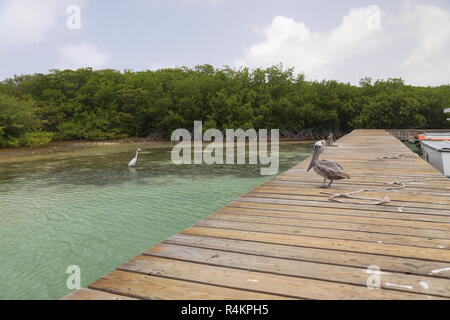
(287, 239)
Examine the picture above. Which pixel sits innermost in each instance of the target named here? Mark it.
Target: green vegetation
(108, 104)
(19, 123)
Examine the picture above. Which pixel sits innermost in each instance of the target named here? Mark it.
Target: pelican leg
(324, 181)
(329, 185)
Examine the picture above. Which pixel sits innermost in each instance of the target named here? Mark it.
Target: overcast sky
(343, 40)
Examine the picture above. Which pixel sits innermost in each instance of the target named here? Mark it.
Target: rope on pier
(388, 186)
(375, 201)
(395, 156)
(351, 195)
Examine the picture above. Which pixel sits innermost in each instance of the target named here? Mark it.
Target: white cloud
(295, 44)
(83, 55)
(27, 21)
(416, 40)
(429, 61)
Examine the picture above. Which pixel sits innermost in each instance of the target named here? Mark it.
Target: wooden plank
(314, 182)
(324, 198)
(347, 206)
(370, 223)
(333, 244)
(157, 288)
(340, 211)
(394, 195)
(89, 294)
(312, 270)
(353, 259)
(369, 237)
(373, 180)
(260, 282)
(431, 238)
(313, 185)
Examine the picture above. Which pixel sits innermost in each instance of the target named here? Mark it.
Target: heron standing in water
(134, 160)
(327, 169)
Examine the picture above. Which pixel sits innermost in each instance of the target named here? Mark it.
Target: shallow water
(87, 208)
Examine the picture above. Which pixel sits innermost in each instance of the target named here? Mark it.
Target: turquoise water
(87, 208)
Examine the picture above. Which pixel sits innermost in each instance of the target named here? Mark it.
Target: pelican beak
(313, 158)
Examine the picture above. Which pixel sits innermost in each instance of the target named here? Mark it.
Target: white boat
(437, 153)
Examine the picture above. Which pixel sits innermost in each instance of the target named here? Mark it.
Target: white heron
(132, 163)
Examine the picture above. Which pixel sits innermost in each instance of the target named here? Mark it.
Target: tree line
(107, 104)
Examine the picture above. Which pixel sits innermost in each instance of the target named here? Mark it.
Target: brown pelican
(327, 169)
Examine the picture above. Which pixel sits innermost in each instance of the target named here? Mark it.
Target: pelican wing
(331, 170)
(333, 165)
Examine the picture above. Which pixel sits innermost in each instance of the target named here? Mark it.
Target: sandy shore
(73, 146)
(60, 146)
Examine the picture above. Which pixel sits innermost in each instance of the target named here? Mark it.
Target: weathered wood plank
(303, 269)
(333, 244)
(341, 211)
(328, 233)
(372, 224)
(351, 206)
(424, 237)
(321, 197)
(354, 259)
(394, 195)
(158, 288)
(89, 294)
(295, 287)
(314, 184)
